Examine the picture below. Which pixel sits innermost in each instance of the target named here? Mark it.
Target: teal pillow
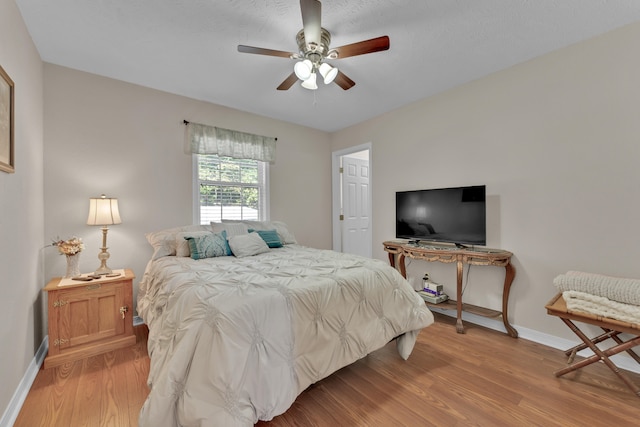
(271, 237)
(209, 246)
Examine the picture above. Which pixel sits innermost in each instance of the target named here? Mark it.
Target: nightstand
(89, 318)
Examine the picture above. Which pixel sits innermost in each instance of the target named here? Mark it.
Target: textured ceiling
(189, 47)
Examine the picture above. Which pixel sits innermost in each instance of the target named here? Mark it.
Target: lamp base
(102, 270)
(103, 256)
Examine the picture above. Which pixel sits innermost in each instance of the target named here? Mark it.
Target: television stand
(449, 254)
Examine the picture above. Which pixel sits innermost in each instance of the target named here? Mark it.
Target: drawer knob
(123, 310)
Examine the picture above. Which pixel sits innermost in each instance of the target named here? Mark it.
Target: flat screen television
(454, 215)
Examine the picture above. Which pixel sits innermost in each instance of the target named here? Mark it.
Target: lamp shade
(328, 72)
(310, 83)
(303, 69)
(103, 211)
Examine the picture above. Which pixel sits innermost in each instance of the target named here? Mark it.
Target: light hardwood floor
(481, 378)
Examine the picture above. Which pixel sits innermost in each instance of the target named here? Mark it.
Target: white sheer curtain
(204, 139)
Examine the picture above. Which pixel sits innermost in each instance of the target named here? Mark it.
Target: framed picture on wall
(6, 122)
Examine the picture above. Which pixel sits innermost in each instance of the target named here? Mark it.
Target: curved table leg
(459, 325)
(403, 268)
(509, 274)
(392, 259)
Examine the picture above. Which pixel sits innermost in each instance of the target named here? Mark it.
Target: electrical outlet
(425, 277)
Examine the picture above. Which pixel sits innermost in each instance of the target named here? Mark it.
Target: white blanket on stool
(601, 306)
(618, 289)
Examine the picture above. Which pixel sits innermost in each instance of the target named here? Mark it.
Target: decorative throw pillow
(244, 245)
(209, 246)
(182, 244)
(270, 237)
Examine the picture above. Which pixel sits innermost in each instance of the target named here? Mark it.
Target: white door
(356, 224)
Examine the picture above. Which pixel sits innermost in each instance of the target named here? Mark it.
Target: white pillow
(232, 229)
(286, 236)
(182, 244)
(256, 225)
(243, 245)
(164, 241)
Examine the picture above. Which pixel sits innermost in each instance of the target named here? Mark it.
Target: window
(230, 188)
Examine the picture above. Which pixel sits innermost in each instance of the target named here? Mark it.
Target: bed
(235, 337)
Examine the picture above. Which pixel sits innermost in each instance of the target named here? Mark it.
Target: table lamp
(103, 211)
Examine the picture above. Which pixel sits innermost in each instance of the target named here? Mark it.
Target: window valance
(205, 139)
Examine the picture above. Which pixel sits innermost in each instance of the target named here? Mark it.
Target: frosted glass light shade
(303, 69)
(310, 83)
(328, 72)
(103, 211)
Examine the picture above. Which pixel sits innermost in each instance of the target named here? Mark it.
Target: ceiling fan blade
(262, 51)
(343, 81)
(360, 48)
(311, 16)
(288, 82)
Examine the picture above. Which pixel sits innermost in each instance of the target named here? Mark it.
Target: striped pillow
(271, 237)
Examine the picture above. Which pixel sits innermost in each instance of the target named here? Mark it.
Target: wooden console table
(450, 254)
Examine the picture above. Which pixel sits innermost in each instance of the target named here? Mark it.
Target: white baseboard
(137, 321)
(16, 402)
(621, 360)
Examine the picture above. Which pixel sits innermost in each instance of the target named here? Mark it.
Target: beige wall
(557, 142)
(107, 136)
(21, 209)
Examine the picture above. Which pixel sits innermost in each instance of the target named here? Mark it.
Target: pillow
(232, 229)
(270, 237)
(182, 244)
(164, 241)
(286, 236)
(256, 225)
(244, 245)
(209, 246)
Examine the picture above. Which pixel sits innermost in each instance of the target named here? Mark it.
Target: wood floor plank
(62, 398)
(115, 397)
(137, 370)
(481, 378)
(39, 392)
(381, 393)
(52, 394)
(87, 402)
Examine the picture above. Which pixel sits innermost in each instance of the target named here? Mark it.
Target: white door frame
(335, 188)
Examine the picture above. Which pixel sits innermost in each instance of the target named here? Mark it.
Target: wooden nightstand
(89, 318)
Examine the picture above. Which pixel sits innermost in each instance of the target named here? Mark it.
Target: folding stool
(612, 329)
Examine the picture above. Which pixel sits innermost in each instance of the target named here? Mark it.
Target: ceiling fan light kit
(328, 72)
(310, 83)
(313, 44)
(303, 69)
(307, 71)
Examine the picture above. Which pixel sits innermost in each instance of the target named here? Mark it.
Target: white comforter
(235, 340)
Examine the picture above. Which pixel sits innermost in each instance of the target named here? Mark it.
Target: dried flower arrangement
(72, 246)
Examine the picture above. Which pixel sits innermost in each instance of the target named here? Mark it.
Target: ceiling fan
(313, 44)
